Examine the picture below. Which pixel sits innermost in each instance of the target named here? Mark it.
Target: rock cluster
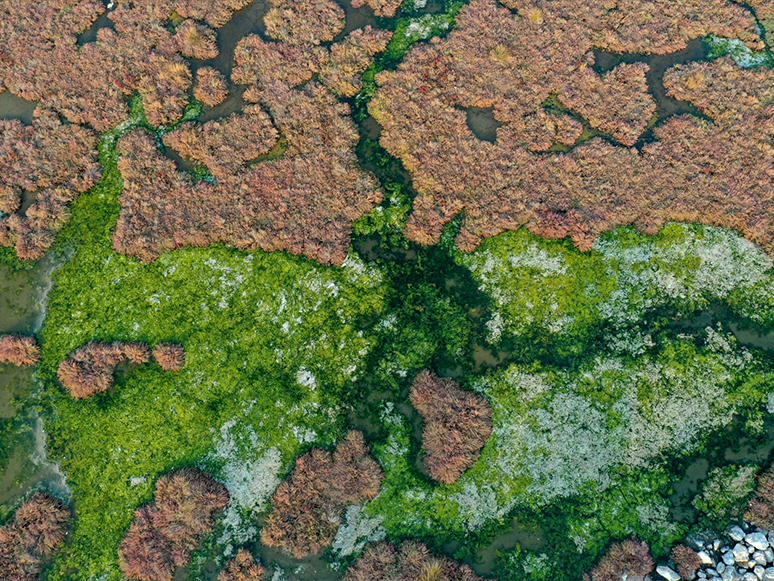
(744, 553)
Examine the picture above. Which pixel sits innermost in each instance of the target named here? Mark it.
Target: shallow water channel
(22, 308)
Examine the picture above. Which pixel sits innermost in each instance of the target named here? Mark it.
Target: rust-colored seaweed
(760, 508)
(90, 369)
(32, 536)
(410, 562)
(210, 87)
(308, 505)
(627, 559)
(241, 568)
(170, 356)
(716, 172)
(18, 350)
(165, 532)
(457, 423)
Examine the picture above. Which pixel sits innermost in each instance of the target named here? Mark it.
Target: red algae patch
(411, 561)
(241, 568)
(170, 356)
(285, 172)
(457, 425)
(386, 8)
(627, 559)
(165, 532)
(210, 87)
(308, 505)
(18, 350)
(717, 171)
(32, 536)
(90, 369)
(49, 162)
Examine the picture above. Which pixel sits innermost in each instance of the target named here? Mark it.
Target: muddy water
(519, 535)
(22, 307)
(658, 64)
(13, 107)
(250, 21)
(91, 34)
(482, 123)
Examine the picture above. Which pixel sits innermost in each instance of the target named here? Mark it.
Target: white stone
(735, 533)
(769, 554)
(759, 571)
(668, 573)
(750, 577)
(728, 558)
(740, 553)
(759, 557)
(757, 540)
(705, 558)
(768, 574)
(720, 567)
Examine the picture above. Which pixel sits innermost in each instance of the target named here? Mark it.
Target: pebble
(735, 532)
(757, 540)
(759, 557)
(769, 553)
(740, 553)
(671, 575)
(750, 577)
(720, 567)
(728, 558)
(759, 571)
(768, 574)
(705, 558)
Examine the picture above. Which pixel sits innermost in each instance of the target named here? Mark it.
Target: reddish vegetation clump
(211, 87)
(715, 172)
(170, 356)
(307, 506)
(90, 369)
(686, 561)
(386, 8)
(410, 562)
(259, 64)
(241, 568)
(302, 199)
(764, 11)
(456, 425)
(196, 40)
(50, 162)
(90, 83)
(33, 535)
(18, 350)
(225, 145)
(304, 21)
(304, 202)
(165, 532)
(760, 508)
(350, 57)
(216, 14)
(628, 559)
(41, 60)
(617, 103)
